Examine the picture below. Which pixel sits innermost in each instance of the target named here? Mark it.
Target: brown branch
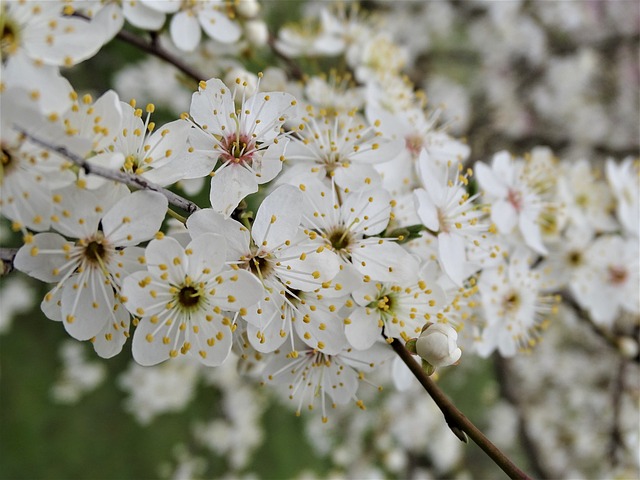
(154, 48)
(131, 180)
(460, 425)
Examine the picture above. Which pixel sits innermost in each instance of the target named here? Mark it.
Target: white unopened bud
(437, 345)
(256, 32)
(248, 8)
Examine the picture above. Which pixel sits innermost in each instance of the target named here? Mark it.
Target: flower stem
(457, 421)
(177, 216)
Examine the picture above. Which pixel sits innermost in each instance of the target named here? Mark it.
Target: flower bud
(256, 32)
(437, 345)
(248, 8)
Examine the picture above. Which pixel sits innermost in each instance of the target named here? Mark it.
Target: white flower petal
(87, 304)
(185, 31)
(229, 186)
(78, 211)
(431, 178)
(142, 297)
(363, 330)
(392, 126)
(452, 256)
(366, 212)
(166, 260)
(165, 6)
(267, 113)
(212, 107)
(265, 327)
(127, 261)
(269, 165)
(426, 209)
(43, 257)
(208, 220)
(135, 219)
(206, 255)
(50, 91)
(51, 304)
(219, 26)
(321, 330)
(110, 18)
(341, 384)
(492, 185)
(531, 233)
(67, 40)
(379, 151)
(309, 273)
(26, 199)
(110, 340)
(212, 342)
(504, 215)
(153, 342)
(278, 218)
(318, 201)
(357, 176)
(237, 290)
(386, 261)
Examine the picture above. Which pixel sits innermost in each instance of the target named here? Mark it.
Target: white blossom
(245, 141)
(624, 179)
(514, 203)
(445, 207)
(89, 271)
(286, 261)
(182, 299)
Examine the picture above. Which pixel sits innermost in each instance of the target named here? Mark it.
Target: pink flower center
(414, 144)
(238, 149)
(617, 275)
(515, 198)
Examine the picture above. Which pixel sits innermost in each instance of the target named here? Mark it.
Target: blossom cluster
(340, 211)
(370, 223)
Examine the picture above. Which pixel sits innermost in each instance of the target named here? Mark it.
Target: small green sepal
(428, 368)
(406, 234)
(411, 345)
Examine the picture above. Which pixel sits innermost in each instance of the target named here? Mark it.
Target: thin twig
(129, 179)
(154, 48)
(456, 420)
